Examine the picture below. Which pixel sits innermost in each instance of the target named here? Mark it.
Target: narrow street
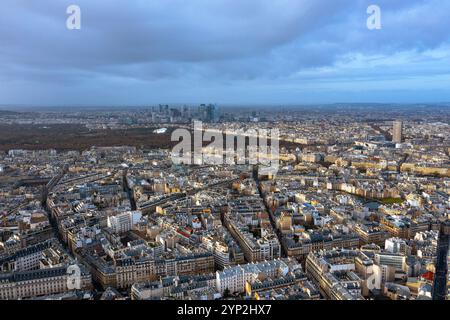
(272, 222)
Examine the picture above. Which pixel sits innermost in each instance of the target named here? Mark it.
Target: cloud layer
(134, 52)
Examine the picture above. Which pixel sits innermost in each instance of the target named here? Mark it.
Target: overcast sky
(141, 52)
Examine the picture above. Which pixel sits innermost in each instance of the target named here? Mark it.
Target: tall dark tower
(440, 278)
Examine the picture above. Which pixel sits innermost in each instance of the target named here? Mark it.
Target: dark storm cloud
(189, 50)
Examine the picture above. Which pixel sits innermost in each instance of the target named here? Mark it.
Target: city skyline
(223, 157)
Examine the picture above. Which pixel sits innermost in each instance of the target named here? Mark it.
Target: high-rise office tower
(397, 132)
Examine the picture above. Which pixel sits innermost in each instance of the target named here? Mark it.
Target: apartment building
(26, 284)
